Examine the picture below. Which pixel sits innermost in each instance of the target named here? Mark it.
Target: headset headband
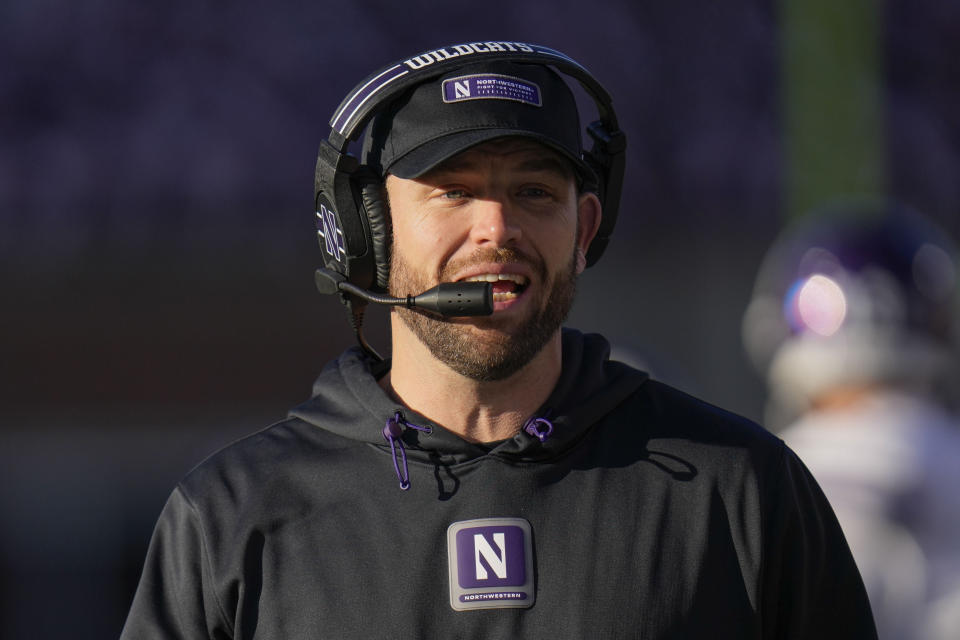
(381, 86)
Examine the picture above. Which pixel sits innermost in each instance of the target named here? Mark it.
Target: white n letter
(497, 562)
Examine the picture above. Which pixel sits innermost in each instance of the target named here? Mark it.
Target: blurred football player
(854, 323)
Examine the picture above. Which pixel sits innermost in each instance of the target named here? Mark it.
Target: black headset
(353, 225)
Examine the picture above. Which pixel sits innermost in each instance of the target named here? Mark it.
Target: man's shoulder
(283, 449)
(669, 414)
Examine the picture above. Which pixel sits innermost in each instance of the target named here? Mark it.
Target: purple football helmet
(857, 293)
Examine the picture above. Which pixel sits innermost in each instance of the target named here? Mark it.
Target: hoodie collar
(349, 402)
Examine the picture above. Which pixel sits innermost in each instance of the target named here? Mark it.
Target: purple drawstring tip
(539, 428)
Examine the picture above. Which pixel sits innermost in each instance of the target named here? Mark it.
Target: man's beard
(491, 353)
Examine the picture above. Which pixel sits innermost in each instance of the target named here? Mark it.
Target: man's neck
(478, 411)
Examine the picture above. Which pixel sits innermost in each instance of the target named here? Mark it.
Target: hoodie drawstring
(393, 432)
(539, 428)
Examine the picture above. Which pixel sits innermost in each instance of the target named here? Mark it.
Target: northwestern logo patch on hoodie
(491, 563)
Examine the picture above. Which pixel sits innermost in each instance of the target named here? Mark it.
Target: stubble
(483, 348)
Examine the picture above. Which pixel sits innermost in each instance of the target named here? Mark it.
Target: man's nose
(494, 224)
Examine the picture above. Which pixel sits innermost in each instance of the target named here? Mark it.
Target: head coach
(498, 476)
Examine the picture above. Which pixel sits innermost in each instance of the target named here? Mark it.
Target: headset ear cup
(370, 188)
(597, 185)
(594, 183)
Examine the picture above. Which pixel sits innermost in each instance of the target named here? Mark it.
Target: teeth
(493, 277)
(503, 297)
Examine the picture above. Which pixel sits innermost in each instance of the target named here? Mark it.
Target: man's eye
(454, 194)
(534, 192)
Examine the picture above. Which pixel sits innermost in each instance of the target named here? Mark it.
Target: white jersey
(890, 467)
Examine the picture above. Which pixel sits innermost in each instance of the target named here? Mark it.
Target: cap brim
(430, 154)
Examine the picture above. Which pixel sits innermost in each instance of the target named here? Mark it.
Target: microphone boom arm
(447, 299)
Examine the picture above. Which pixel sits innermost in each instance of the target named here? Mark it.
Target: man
(854, 324)
(544, 490)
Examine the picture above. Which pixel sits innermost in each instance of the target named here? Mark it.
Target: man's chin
(488, 348)
(483, 349)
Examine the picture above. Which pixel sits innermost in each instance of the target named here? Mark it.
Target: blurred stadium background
(156, 231)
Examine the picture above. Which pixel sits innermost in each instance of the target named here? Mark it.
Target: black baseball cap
(473, 104)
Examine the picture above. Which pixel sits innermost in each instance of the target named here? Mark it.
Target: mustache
(500, 255)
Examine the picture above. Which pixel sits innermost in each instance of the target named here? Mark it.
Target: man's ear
(588, 222)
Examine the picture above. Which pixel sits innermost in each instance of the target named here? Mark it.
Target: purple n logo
(490, 557)
(491, 563)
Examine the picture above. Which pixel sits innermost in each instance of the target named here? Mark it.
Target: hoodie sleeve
(175, 598)
(811, 586)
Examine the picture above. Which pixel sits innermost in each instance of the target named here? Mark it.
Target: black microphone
(448, 299)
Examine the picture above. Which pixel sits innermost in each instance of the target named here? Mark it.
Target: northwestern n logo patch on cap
(486, 86)
(491, 563)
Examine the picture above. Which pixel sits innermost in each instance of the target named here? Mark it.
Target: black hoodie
(644, 514)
